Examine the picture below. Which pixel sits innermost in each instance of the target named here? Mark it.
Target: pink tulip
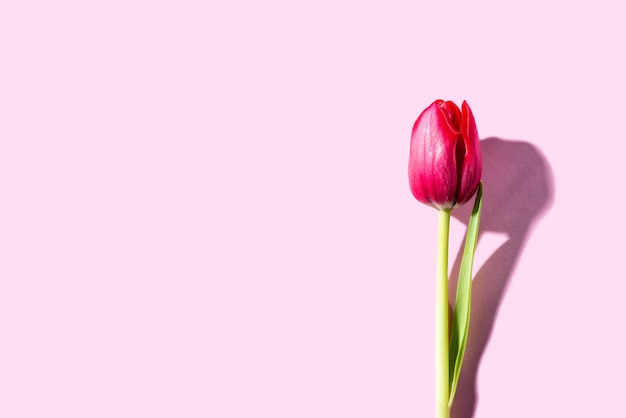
(445, 164)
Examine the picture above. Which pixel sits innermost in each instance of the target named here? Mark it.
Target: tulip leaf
(461, 317)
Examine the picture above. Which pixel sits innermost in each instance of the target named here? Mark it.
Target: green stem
(442, 389)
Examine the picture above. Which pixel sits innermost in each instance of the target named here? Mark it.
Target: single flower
(445, 164)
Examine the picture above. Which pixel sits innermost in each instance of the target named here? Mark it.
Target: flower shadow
(518, 190)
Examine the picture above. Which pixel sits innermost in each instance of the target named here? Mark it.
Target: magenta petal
(432, 160)
(471, 169)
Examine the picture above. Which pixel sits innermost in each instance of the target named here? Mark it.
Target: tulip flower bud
(445, 163)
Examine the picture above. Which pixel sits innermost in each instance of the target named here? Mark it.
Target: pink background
(204, 207)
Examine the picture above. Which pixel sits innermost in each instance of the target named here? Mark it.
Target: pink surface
(205, 211)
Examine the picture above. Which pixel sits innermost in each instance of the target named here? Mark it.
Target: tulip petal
(470, 167)
(432, 161)
(453, 114)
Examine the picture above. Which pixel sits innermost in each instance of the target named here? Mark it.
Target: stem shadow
(518, 190)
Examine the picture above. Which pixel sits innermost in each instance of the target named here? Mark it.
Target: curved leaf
(460, 320)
